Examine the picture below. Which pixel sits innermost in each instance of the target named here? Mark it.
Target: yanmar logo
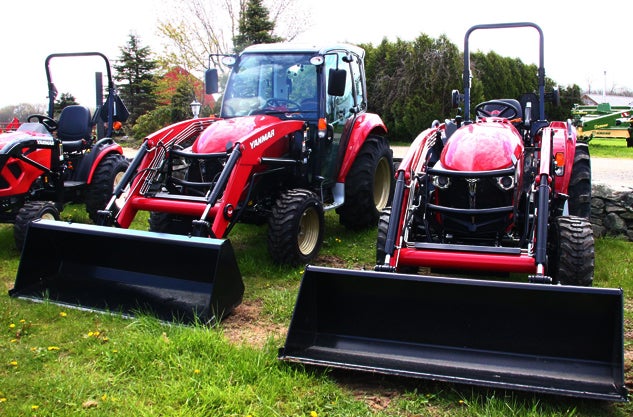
(263, 138)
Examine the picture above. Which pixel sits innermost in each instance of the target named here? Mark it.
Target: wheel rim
(308, 236)
(48, 216)
(382, 184)
(117, 180)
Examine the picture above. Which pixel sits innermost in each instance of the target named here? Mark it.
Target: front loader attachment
(124, 271)
(559, 340)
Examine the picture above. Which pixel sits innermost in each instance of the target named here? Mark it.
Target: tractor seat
(74, 128)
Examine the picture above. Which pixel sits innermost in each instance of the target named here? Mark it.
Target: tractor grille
(473, 204)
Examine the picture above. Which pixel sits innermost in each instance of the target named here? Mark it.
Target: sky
(587, 46)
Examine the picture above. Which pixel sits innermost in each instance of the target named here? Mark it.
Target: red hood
(218, 134)
(8, 137)
(483, 146)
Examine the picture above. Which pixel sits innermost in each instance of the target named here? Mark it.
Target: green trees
(65, 99)
(254, 26)
(409, 83)
(136, 79)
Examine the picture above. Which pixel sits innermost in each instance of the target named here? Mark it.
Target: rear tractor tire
(32, 210)
(580, 183)
(295, 228)
(369, 185)
(107, 175)
(571, 251)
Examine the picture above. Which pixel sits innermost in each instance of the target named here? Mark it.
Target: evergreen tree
(254, 26)
(136, 78)
(181, 101)
(64, 100)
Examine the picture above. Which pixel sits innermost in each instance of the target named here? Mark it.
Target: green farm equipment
(603, 121)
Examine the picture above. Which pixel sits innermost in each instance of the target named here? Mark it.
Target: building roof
(595, 99)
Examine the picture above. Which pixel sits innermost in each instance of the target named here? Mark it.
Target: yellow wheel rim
(309, 226)
(382, 184)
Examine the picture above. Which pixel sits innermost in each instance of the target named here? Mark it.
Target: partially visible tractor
(476, 201)
(292, 140)
(603, 121)
(48, 162)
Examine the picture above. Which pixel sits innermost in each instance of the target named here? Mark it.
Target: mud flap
(559, 340)
(127, 272)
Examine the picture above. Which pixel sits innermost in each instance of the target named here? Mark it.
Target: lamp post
(195, 108)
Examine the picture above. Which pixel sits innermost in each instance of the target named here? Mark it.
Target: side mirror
(553, 97)
(211, 81)
(456, 98)
(336, 82)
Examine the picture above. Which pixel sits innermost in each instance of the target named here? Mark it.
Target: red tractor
(508, 192)
(49, 162)
(475, 200)
(292, 140)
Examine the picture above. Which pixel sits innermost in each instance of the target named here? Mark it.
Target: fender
(363, 125)
(95, 160)
(565, 143)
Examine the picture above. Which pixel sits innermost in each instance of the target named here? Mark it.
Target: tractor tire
(580, 183)
(106, 177)
(381, 240)
(295, 228)
(32, 210)
(369, 185)
(169, 223)
(571, 251)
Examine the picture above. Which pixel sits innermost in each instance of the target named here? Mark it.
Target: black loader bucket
(550, 339)
(123, 271)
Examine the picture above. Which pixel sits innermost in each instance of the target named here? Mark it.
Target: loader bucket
(127, 272)
(550, 339)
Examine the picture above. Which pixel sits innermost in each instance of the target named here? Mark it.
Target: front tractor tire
(32, 210)
(160, 222)
(105, 178)
(295, 228)
(369, 185)
(571, 251)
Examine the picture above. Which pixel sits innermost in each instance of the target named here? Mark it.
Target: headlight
(505, 182)
(441, 182)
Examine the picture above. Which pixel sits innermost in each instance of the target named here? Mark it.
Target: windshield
(281, 84)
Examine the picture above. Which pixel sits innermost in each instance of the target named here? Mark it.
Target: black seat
(74, 127)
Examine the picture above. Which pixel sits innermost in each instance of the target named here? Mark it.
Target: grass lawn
(610, 148)
(60, 361)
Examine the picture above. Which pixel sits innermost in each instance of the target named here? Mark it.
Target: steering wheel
(282, 102)
(499, 108)
(49, 123)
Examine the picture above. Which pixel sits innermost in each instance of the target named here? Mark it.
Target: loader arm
(216, 212)
(145, 167)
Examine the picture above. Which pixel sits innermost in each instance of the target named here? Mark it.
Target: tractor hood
(10, 139)
(483, 146)
(226, 132)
